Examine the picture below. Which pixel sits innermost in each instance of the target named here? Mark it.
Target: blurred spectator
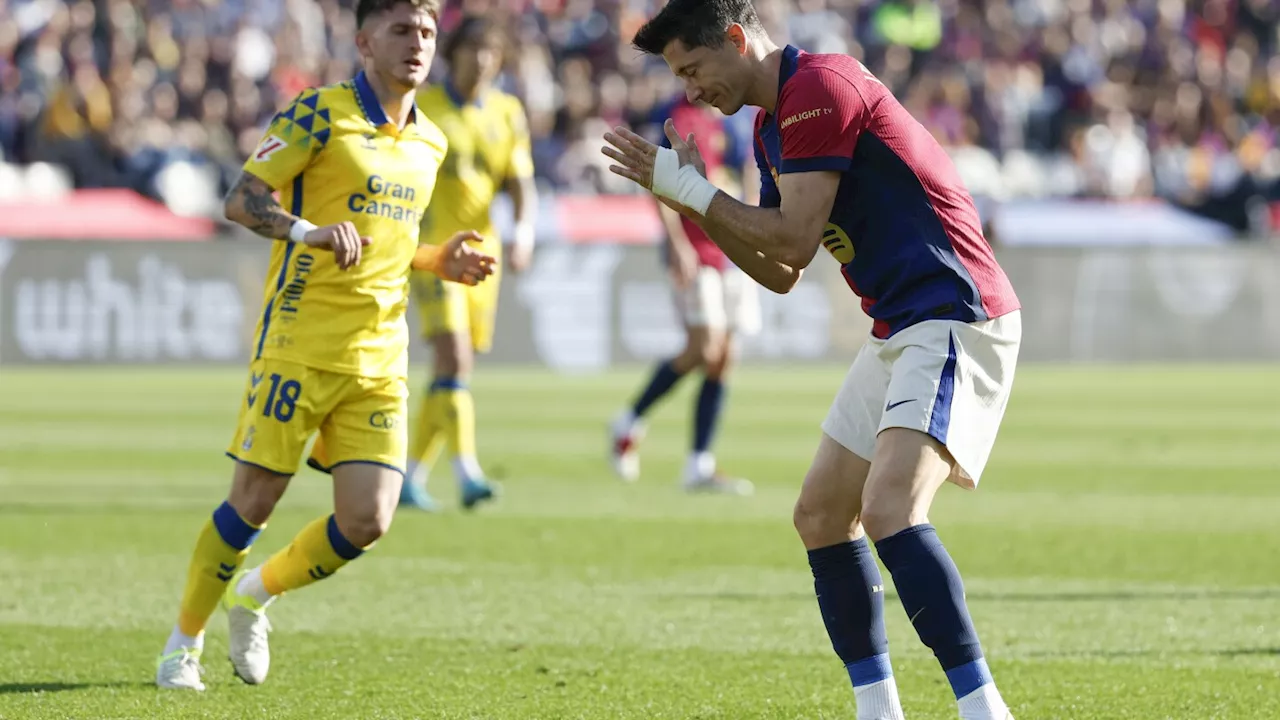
(1120, 99)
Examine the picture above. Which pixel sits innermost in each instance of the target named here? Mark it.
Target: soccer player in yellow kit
(489, 151)
(358, 160)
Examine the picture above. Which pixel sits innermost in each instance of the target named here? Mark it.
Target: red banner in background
(107, 214)
(626, 219)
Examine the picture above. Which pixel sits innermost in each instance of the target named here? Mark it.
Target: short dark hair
(696, 23)
(472, 29)
(365, 8)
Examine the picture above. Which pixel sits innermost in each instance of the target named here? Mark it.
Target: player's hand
(520, 256)
(461, 262)
(636, 156)
(633, 154)
(342, 240)
(686, 148)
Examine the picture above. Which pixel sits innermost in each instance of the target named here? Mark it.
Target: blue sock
(932, 593)
(707, 414)
(851, 598)
(664, 378)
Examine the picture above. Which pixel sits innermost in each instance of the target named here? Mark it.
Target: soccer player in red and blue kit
(845, 167)
(717, 303)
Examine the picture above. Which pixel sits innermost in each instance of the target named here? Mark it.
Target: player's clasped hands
(635, 155)
(342, 240)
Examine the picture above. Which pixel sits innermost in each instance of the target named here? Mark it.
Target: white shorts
(721, 300)
(946, 378)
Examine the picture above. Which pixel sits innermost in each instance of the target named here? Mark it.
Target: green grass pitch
(1122, 558)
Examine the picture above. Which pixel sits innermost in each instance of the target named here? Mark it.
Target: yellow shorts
(456, 309)
(360, 419)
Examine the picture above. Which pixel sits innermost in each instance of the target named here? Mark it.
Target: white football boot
(180, 670)
(247, 628)
(702, 476)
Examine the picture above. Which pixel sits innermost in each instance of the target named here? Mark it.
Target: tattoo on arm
(251, 204)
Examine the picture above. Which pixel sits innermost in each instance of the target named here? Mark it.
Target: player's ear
(738, 38)
(362, 41)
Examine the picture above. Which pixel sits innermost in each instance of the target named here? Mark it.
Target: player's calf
(846, 578)
(906, 472)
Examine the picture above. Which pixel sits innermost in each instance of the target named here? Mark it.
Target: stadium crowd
(1034, 98)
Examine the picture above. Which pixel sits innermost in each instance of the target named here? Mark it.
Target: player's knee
(693, 357)
(706, 352)
(718, 362)
(452, 357)
(255, 492)
(447, 365)
(886, 513)
(819, 525)
(365, 527)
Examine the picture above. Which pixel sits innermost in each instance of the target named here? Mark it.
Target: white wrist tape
(682, 184)
(299, 230)
(525, 234)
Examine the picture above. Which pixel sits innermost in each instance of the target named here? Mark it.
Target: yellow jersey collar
(372, 107)
(456, 98)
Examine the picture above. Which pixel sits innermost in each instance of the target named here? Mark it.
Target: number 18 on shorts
(359, 419)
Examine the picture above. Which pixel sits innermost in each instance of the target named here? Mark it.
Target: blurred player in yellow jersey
(355, 165)
(488, 153)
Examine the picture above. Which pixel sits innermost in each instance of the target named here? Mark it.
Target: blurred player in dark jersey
(717, 303)
(843, 166)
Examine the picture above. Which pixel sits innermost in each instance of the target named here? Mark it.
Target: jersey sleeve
(520, 164)
(820, 116)
(292, 140)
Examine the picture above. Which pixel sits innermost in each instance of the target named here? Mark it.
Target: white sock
(411, 474)
(466, 467)
(879, 701)
(984, 703)
(625, 423)
(251, 585)
(701, 465)
(179, 640)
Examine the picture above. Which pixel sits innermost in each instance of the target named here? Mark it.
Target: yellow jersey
(488, 144)
(334, 156)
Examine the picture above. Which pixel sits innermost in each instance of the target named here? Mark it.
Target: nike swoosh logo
(891, 406)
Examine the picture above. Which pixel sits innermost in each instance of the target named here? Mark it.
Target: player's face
(711, 75)
(400, 43)
(477, 62)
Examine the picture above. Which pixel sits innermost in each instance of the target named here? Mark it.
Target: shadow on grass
(1027, 597)
(1246, 652)
(53, 687)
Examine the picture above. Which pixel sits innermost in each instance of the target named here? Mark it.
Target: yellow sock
(316, 553)
(222, 546)
(428, 437)
(456, 413)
